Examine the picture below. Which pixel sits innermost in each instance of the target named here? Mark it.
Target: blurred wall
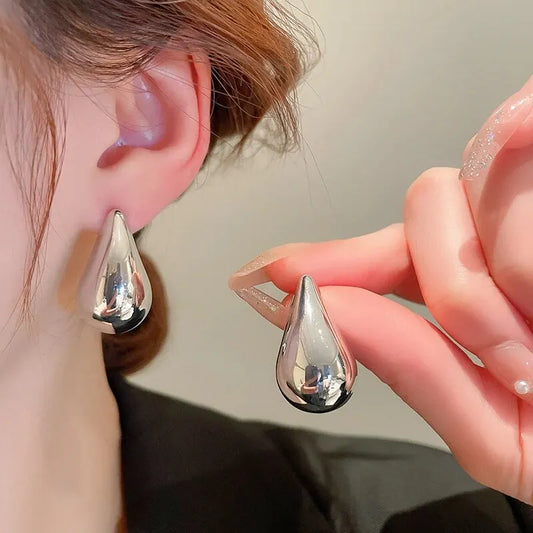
(402, 86)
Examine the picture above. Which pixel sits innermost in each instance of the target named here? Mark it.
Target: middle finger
(456, 284)
(497, 180)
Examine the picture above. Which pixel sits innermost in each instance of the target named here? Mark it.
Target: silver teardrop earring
(314, 371)
(115, 294)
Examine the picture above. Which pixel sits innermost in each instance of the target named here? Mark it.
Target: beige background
(402, 86)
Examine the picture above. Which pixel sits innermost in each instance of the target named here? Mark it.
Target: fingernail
(512, 364)
(496, 132)
(253, 273)
(265, 305)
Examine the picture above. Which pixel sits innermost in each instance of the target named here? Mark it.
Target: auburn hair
(258, 52)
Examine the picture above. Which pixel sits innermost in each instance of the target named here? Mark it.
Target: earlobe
(163, 116)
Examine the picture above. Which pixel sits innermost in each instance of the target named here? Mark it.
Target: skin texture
(60, 459)
(462, 249)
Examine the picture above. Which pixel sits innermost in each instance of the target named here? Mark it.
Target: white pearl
(522, 387)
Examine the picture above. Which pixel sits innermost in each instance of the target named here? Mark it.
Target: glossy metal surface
(314, 371)
(115, 293)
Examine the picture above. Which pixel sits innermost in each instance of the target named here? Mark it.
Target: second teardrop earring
(115, 294)
(314, 371)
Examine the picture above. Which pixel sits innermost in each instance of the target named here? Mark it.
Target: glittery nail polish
(268, 307)
(494, 134)
(253, 273)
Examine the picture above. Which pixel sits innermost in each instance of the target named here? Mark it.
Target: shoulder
(193, 469)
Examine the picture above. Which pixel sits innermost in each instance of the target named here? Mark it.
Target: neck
(60, 438)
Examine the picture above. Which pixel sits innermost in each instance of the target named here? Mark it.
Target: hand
(465, 251)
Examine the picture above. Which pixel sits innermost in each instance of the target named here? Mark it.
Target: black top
(192, 470)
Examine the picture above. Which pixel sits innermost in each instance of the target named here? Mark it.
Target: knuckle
(451, 300)
(426, 182)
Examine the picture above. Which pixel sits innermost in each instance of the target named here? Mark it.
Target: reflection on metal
(314, 371)
(115, 293)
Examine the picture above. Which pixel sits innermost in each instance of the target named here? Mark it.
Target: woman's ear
(163, 117)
